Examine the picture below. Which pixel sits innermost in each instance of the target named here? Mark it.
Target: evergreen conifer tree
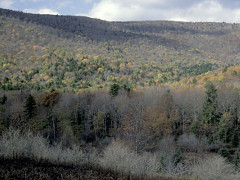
(210, 104)
(177, 158)
(114, 89)
(235, 139)
(3, 99)
(30, 107)
(224, 153)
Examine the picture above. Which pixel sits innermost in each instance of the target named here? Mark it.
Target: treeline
(139, 117)
(170, 122)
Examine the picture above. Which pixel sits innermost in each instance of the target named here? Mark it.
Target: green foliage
(234, 73)
(100, 125)
(3, 122)
(77, 120)
(3, 99)
(236, 160)
(225, 130)
(114, 88)
(194, 81)
(225, 69)
(235, 139)
(30, 107)
(161, 165)
(194, 126)
(177, 158)
(209, 114)
(198, 69)
(127, 87)
(224, 153)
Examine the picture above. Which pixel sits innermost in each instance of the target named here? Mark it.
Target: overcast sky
(131, 10)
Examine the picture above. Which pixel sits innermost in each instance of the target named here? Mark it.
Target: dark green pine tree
(209, 115)
(114, 89)
(3, 99)
(224, 153)
(30, 107)
(235, 139)
(177, 158)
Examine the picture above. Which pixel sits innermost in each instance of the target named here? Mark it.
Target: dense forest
(62, 52)
(152, 99)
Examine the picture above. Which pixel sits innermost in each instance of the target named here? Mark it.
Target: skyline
(134, 10)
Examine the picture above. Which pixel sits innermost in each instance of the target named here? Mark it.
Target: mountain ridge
(89, 52)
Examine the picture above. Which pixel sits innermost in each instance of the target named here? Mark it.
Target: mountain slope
(228, 77)
(160, 31)
(72, 53)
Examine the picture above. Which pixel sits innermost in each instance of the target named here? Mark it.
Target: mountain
(74, 53)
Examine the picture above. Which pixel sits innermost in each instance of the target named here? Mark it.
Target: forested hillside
(153, 99)
(74, 53)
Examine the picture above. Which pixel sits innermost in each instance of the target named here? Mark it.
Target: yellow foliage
(122, 65)
(100, 70)
(46, 77)
(48, 98)
(129, 64)
(227, 115)
(32, 58)
(95, 58)
(85, 60)
(5, 66)
(35, 47)
(36, 76)
(79, 56)
(7, 71)
(124, 78)
(162, 124)
(49, 81)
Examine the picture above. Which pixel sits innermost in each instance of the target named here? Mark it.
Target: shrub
(177, 158)
(14, 144)
(214, 167)
(236, 160)
(121, 158)
(170, 159)
(192, 143)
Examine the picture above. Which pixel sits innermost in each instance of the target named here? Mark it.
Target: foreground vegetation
(170, 131)
(28, 156)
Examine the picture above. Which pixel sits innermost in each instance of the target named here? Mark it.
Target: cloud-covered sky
(131, 10)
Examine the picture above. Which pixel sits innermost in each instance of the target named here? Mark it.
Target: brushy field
(28, 156)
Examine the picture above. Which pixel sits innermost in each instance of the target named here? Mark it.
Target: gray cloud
(6, 3)
(184, 10)
(232, 4)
